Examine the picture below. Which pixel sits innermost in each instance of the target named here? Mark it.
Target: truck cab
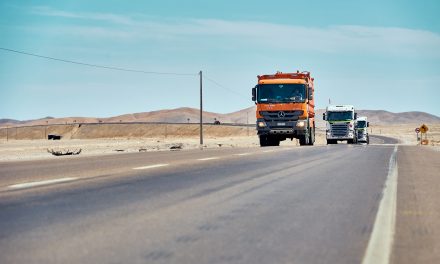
(340, 125)
(361, 129)
(285, 108)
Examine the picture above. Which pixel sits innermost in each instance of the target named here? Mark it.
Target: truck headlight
(300, 124)
(261, 124)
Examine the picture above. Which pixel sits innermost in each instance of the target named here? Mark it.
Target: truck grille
(285, 116)
(339, 130)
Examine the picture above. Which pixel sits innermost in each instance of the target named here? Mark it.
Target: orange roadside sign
(423, 128)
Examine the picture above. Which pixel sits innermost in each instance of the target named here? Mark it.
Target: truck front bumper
(350, 135)
(289, 128)
(362, 138)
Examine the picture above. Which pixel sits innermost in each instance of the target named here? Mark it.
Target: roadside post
(417, 130)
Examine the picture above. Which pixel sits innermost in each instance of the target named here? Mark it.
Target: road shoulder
(417, 237)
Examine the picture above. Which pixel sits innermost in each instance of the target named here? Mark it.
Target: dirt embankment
(98, 131)
(406, 134)
(26, 143)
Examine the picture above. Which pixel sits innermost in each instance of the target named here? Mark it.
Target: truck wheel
(312, 137)
(350, 141)
(331, 141)
(274, 142)
(303, 140)
(264, 142)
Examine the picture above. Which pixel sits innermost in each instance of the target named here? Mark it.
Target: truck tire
(331, 141)
(312, 137)
(304, 140)
(274, 142)
(350, 141)
(264, 142)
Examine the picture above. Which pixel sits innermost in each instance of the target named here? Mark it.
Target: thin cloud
(111, 18)
(333, 39)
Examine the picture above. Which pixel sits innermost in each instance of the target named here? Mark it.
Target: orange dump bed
(282, 75)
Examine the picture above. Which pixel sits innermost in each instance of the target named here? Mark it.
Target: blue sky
(372, 54)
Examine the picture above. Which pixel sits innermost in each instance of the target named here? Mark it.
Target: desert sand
(29, 143)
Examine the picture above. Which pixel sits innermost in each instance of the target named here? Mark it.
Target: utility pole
(201, 110)
(166, 128)
(247, 122)
(45, 130)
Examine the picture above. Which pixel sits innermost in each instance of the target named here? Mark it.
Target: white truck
(340, 124)
(361, 128)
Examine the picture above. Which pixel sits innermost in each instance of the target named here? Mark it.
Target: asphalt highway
(255, 205)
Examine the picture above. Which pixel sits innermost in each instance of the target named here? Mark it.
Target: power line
(98, 66)
(223, 87)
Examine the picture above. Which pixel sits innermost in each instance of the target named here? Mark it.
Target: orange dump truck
(285, 108)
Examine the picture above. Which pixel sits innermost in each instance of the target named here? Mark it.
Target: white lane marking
(150, 166)
(39, 183)
(243, 154)
(210, 158)
(382, 237)
(266, 151)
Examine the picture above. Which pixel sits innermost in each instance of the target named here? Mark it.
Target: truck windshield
(281, 93)
(340, 116)
(361, 124)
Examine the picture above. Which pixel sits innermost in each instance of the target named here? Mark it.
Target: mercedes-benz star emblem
(281, 114)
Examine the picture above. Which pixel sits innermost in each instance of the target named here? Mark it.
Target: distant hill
(179, 115)
(186, 114)
(4, 122)
(382, 117)
(13, 122)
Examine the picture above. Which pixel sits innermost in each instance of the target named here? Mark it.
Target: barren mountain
(179, 115)
(247, 115)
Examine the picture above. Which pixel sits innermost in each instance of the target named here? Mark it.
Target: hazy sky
(372, 54)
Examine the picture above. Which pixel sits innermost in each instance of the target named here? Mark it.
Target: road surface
(257, 205)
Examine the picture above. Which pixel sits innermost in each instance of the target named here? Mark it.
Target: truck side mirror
(254, 93)
(310, 93)
(368, 124)
(323, 116)
(355, 115)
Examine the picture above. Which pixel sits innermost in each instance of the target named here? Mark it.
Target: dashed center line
(40, 183)
(266, 151)
(210, 158)
(243, 154)
(150, 166)
(67, 179)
